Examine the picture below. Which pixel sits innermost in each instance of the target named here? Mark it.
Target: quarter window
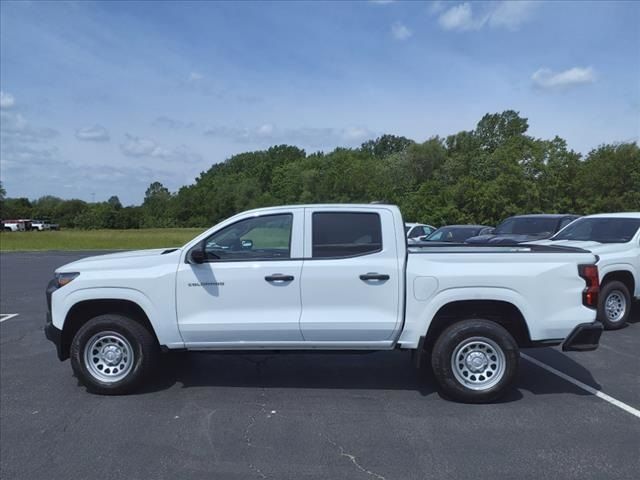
(345, 234)
(258, 238)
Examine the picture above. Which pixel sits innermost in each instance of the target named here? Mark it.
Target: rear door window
(345, 234)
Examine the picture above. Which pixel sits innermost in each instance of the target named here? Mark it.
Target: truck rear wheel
(112, 354)
(614, 305)
(475, 361)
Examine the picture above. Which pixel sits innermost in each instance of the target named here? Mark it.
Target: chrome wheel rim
(478, 363)
(109, 357)
(615, 306)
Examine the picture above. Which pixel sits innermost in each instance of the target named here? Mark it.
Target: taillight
(590, 293)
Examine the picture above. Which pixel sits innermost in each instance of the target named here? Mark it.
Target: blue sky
(101, 99)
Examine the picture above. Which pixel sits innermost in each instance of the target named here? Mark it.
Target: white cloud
(24, 147)
(195, 77)
(400, 31)
(545, 78)
(436, 7)
(356, 133)
(139, 147)
(511, 15)
(459, 17)
(144, 147)
(14, 127)
(506, 14)
(265, 130)
(95, 133)
(172, 123)
(6, 100)
(314, 137)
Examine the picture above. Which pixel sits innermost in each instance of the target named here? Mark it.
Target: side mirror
(247, 244)
(197, 255)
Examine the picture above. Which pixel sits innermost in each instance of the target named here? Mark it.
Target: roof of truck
(616, 215)
(546, 215)
(465, 226)
(324, 205)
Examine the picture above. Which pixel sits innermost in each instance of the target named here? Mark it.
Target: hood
(129, 259)
(504, 239)
(594, 247)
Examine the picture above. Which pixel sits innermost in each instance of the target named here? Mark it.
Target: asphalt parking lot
(293, 416)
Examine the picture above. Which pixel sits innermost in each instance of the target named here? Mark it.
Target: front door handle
(373, 276)
(279, 277)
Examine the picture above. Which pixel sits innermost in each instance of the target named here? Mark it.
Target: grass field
(97, 239)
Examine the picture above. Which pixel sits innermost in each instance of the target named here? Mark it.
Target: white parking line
(7, 316)
(583, 386)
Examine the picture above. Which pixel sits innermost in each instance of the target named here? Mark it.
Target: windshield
(601, 230)
(527, 226)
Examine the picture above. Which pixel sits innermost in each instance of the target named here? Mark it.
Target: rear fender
(419, 315)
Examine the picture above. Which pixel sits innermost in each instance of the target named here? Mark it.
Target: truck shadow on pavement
(393, 370)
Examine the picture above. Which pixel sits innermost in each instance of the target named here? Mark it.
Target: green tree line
(478, 176)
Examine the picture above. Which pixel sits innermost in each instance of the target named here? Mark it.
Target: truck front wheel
(475, 361)
(112, 354)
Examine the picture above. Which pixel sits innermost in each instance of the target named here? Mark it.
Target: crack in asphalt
(252, 419)
(263, 410)
(354, 460)
(208, 428)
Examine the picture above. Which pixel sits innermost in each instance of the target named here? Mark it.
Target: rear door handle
(279, 277)
(373, 276)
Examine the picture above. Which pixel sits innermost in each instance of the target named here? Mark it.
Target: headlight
(63, 278)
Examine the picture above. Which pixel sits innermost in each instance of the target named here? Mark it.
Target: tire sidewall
(454, 336)
(604, 293)
(124, 327)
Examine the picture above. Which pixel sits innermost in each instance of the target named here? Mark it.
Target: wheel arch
(623, 276)
(501, 312)
(81, 312)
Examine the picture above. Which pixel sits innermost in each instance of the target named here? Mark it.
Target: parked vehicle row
(524, 228)
(516, 229)
(614, 238)
(23, 225)
(457, 233)
(324, 277)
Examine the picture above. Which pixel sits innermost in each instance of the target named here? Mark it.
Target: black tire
(142, 343)
(499, 348)
(612, 289)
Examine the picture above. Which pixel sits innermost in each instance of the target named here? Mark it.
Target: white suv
(615, 239)
(416, 230)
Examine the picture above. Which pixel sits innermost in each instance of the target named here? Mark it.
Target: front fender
(164, 322)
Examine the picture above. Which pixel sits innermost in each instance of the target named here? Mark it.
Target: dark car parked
(456, 233)
(524, 228)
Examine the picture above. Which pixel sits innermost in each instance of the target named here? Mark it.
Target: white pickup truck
(40, 225)
(323, 277)
(615, 239)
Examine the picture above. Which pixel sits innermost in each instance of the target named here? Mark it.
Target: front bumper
(50, 331)
(584, 338)
(54, 335)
